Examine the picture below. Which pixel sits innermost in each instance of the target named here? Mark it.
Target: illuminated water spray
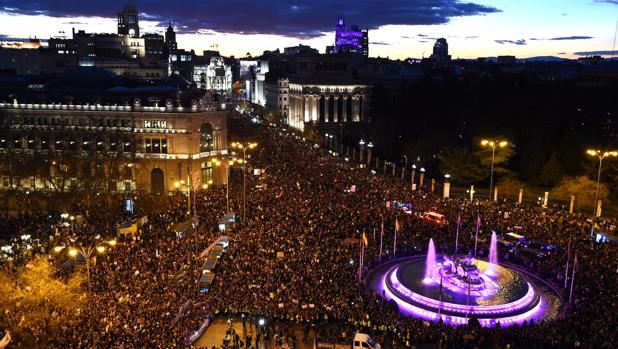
(493, 253)
(430, 261)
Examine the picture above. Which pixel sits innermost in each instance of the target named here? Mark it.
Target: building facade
(277, 94)
(327, 103)
(138, 148)
(128, 21)
(215, 77)
(351, 40)
(253, 75)
(440, 53)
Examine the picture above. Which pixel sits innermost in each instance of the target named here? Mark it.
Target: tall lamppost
(405, 168)
(362, 149)
(493, 144)
(87, 253)
(326, 141)
(369, 149)
(600, 155)
(244, 147)
(187, 184)
(228, 162)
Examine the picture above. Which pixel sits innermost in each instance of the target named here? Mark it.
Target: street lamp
(493, 144)
(362, 150)
(244, 147)
(600, 155)
(405, 168)
(229, 162)
(87, 253)
(369, 149)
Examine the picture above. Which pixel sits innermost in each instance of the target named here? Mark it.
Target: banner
(127, 229)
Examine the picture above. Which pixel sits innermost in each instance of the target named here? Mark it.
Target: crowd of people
(295, 257)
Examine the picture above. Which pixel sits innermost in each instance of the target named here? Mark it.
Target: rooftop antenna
(614, 45)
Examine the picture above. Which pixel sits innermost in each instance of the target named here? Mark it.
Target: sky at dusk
(397, 28)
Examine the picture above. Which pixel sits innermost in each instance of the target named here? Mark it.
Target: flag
(381, 237)
(395, 238)
(566, 270)
(365, 240)
(476, 237)
(573, 277)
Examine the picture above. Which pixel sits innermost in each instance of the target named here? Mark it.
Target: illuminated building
(79, 136)
(215, 77)
(253, 74)
(277, 93)
(351, 40)
(324, 90)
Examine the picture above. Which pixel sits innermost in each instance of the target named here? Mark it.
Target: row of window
(71, 144)
(58, 121)
(155, 146)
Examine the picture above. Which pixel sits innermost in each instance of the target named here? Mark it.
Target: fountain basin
(511, 297)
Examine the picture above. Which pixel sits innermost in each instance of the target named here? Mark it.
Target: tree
(551, 172)
(463, 167)
(582, 187)
(501, 159)
(36, 304)
(509, 187)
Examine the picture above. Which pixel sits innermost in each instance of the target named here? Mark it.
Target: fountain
(456, 288)
(430, 261)
(493, 254)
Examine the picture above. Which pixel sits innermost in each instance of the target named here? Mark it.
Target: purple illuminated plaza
(456, 288)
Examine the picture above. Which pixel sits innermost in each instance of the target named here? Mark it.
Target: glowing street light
(244, 147)
(600, 155)
(493, 144)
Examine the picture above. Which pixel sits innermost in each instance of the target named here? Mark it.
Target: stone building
(323, 103)
(102, 131)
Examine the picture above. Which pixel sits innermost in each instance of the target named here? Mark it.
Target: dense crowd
(295, 258)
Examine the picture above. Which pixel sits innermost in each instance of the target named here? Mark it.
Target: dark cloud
(574, 37)
(472, 37)
(562, 38)
(422, 35)
(303, 19)
(514, 42)
(379, 43)
(614, 2)
(595, 53)
(561, 53)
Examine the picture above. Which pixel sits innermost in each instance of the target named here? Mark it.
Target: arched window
(206, 138)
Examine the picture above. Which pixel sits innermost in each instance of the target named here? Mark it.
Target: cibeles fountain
(456, 288)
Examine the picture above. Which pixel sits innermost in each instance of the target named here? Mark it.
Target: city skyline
(401, 30)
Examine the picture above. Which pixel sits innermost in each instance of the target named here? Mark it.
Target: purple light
(458, 320)
(460, 308)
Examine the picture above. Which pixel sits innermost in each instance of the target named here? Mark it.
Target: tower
(440, 53)
(170, 39)
(128, 23)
